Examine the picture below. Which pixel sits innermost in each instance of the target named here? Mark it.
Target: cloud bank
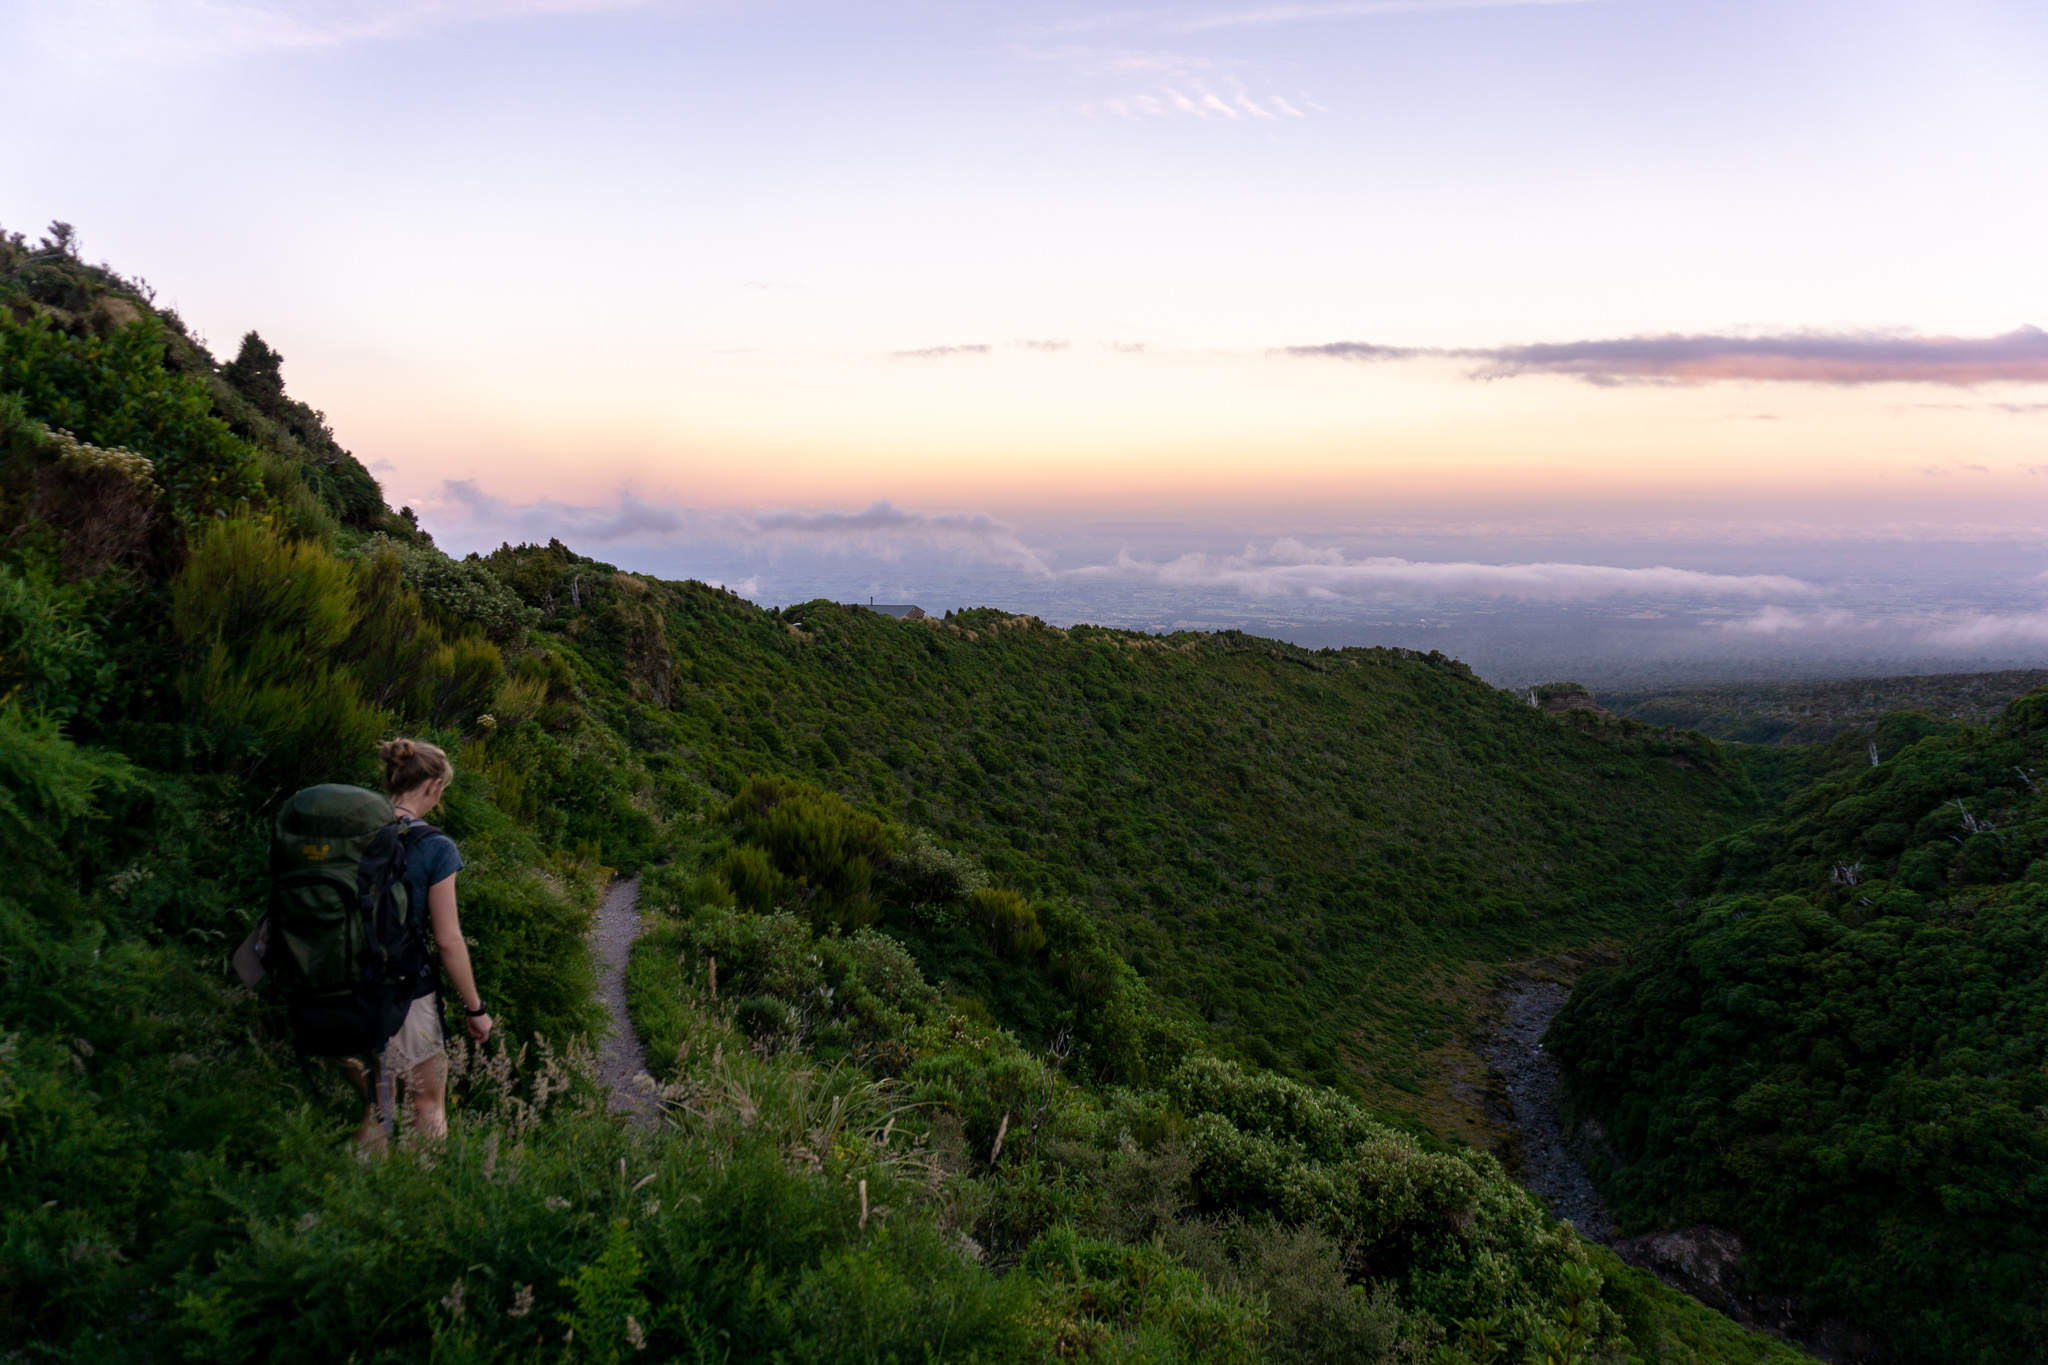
(1287, 568)
(2018, 356)
(880, 530)
(1942, 633)
(1291, 569)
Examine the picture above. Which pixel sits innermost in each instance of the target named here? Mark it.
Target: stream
(1703, 1261)
(1527, 1076)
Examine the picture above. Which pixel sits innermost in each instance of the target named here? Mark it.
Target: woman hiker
(416, 774)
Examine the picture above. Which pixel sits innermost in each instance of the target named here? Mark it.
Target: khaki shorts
(418, 1039)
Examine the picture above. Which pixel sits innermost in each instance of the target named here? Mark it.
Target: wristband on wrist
(479, 1012)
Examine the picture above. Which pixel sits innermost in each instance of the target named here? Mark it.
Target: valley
(1006, 991)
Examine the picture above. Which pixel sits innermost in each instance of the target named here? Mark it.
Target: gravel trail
(1528, 1077)
(621, 1058)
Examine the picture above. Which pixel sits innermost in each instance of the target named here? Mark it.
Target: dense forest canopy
(1840, 1044)
(1012, 993)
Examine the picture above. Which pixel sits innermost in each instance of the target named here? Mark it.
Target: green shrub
(1449, 1231)
(678, 889)
(82, 509)
(1007, 922)
(51, 658)
(460, 592)
(261, 622)
(749, 878)
(1109, 1301)
(824, 851)
(832, 995)
(1318, 1315)
(546, 693)
(114, 391)
(48, 787)
(932, 879)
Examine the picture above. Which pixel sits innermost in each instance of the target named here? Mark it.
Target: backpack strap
(412, 834)
(416, 831)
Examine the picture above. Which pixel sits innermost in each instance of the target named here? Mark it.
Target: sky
(1351, 320)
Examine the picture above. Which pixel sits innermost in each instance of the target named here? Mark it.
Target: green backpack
(350, 950)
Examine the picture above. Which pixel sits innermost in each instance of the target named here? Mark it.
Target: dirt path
(1528, 1077)
(622, 1058)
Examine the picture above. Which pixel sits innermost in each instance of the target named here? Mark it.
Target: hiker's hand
(480, 1027)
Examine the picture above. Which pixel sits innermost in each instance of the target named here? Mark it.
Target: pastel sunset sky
(1740, 289)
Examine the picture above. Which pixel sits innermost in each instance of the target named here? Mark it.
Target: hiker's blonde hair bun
(412, 763)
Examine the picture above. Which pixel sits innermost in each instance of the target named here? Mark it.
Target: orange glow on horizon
(1091, 431)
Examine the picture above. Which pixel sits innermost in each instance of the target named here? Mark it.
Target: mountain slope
(1258, 826)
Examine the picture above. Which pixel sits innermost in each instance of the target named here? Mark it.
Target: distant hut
(901, 611)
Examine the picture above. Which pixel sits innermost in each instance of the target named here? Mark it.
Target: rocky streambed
(1524, 1083)
(1703, 1261)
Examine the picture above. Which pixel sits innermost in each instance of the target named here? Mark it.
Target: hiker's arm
(455, 952)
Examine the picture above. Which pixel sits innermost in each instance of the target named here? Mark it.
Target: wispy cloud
(1042, 345)
(2018, 356)
(1363, 350)
(1809, 357)
(880, 530)
(1288, 568)
(1781, 621)
(1984, 629)
(941, 352)
(1234, 103)
(1180, 84)
(1939, 633)
(1185, 20)
(1347, 9)
(196, 30)
(629, 517)
(882, 521)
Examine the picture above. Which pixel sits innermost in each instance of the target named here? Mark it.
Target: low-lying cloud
(549, 519)
(1286, 568)
(880, 530)
(2018, 356)
(1289, 568)
(1894, 633)
(982, 536)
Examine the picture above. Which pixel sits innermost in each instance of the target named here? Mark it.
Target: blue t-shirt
(433, 860)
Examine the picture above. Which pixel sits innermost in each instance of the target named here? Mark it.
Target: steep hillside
(1839, 1045)
(1258, 826)
(1018, 932)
